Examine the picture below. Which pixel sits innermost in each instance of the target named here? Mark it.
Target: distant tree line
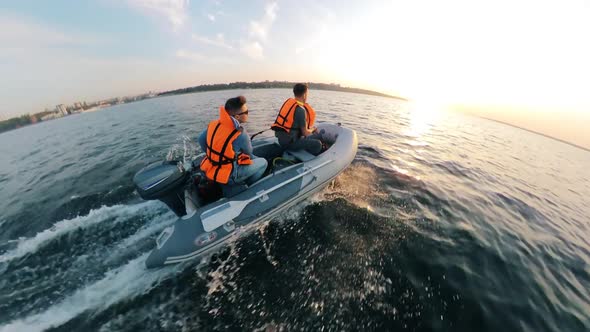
(272, 85)
(14, 123)
(21, 121)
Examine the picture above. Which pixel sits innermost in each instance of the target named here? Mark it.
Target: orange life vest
(285, 119)
(218, 162)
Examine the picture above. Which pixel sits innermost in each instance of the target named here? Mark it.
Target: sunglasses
(246, 112)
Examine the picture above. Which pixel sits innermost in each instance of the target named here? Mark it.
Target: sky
(521, 61)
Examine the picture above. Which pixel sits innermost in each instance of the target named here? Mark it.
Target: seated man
(294, 124)
(228, 150)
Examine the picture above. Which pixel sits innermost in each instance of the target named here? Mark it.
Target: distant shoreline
(28, 119)
(272, 85)
(538, 133)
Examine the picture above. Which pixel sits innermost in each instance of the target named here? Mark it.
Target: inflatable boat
(209, 216)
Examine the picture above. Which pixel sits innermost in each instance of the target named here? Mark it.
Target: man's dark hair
(299, 89)
(234, 105)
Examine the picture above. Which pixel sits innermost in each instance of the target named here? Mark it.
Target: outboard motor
(164, 180)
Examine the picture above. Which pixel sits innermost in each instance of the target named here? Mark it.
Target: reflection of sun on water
(419, 117)
(423, 115)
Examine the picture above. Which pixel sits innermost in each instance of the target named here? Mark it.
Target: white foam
(218, 277)
(118, 212)
(121, 248)
(127, 281)
(184, 152)
(187, 151)
(358, 185)
(147, 231)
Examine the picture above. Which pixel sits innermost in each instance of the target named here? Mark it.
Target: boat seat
(300, 155)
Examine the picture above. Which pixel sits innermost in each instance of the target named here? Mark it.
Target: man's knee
(313, 146)
(263, 164)
(259, 165)
(260, 162)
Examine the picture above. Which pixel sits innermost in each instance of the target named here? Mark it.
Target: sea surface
(443, 222)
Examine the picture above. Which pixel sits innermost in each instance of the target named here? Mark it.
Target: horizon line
(587, 149)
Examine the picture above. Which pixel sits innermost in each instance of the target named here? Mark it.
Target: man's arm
(299, 122)
(203, 140)
(244, 144)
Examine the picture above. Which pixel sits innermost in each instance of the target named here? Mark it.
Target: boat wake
(114, 214)
(79, 264)
(127, 281)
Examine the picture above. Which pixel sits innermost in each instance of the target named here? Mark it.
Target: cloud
(319, 25)
(259, 29)
(219, 41)
(175, 11)
(258, 32)
(202, 58)
(43, 65)
(21, 34)
(193, 56)
(211, 17)
(253, 49)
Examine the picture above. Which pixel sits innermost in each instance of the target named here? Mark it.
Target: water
(442, 223)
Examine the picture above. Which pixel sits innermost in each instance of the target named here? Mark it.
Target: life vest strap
(210, 143)
(222, 154)
(218, 153)
(288, 113)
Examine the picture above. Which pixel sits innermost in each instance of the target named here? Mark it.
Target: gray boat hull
(188, 238)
